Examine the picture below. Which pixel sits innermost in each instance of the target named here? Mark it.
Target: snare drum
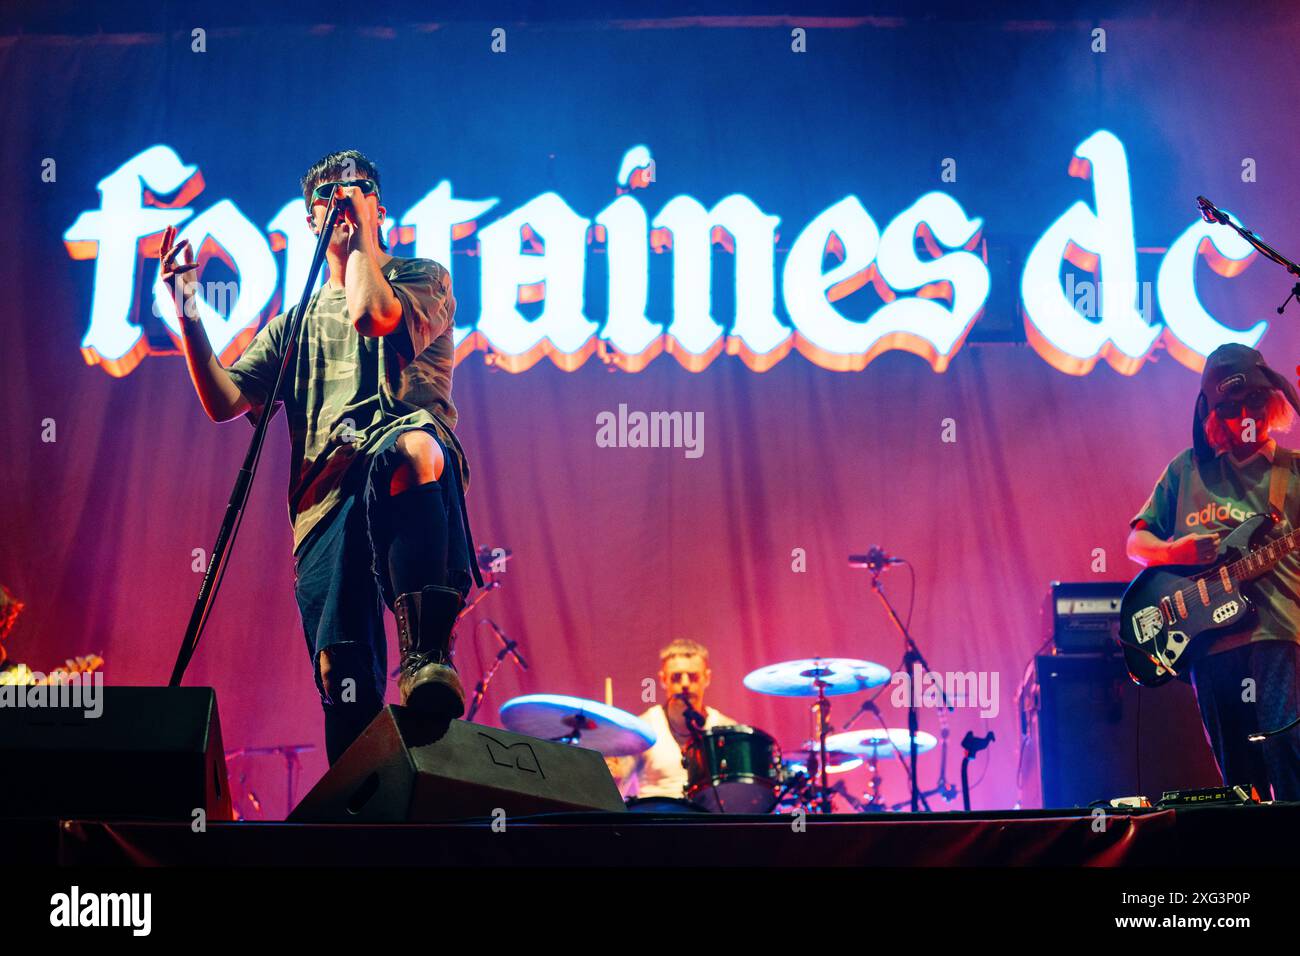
(733, 770)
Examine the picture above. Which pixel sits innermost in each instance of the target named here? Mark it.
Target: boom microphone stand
(876, 561)
(508, 648)
(695, 724)
(1212, 213)
(244, 481)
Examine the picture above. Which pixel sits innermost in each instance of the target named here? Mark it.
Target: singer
(377, 478)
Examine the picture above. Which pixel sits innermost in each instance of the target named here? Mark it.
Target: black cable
(1137, 742)
(911, 598)
(1026, 675)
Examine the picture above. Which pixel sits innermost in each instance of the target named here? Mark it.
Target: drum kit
(740, 769)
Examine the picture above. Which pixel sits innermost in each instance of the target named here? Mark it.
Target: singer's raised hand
(176, 272)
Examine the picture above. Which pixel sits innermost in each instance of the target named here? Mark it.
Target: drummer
(658, 772)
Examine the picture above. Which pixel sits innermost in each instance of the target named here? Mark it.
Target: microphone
(875, 559)
(508, 642)
(1210, 212)
(693, 717)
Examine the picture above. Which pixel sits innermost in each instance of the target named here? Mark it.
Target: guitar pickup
(1167, 610)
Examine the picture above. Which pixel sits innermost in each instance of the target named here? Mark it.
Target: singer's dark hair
(333, 166)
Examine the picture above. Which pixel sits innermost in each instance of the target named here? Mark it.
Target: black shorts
(341, 570)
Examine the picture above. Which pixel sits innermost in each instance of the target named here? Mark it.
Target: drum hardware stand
(873, 797)
(244, 793)
(795, 785)
(508, 646)
(818, 765)
(575, 737)
(942, 786)
(292, 767)
(843, 791)
(911, 656)
(869, 706)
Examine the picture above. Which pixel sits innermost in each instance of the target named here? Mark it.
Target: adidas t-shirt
(344, 391)
(1203, 497)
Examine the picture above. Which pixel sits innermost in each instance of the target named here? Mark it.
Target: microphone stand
(911, 656)
(244, 481)
(508, 646)
(972, 745)
(1212, 213)
(695, 724)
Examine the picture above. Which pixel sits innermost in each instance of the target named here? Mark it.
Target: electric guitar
(1171, 608)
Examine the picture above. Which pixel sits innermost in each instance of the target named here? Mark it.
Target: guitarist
(1233, 470)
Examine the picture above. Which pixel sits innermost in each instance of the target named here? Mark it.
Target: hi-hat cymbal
(879, 742)
(837, 675)
(586, 723)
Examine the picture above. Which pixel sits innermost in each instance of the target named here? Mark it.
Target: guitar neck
(1262, 560)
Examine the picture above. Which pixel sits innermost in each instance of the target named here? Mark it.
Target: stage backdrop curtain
(618, 550)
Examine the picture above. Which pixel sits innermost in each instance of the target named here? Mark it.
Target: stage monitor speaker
(1102, 736)
(407, 767)
(138, 753)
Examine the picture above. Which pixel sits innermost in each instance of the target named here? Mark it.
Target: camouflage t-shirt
(345, 391)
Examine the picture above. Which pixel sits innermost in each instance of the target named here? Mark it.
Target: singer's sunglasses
(1253, 402)
(323, 192)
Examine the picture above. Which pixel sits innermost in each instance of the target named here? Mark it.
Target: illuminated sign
(1099, 239)
(538, 254)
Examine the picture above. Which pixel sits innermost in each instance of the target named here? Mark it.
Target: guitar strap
(1278, 481)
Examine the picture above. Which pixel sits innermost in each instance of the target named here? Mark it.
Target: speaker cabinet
(409, 767)
(1102, 736)
(151, 753)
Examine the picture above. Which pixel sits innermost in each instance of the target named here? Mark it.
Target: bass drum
(733, 770)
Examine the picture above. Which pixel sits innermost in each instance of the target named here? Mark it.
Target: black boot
(427, 680)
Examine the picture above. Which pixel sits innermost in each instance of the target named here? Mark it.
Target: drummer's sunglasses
(323, 192)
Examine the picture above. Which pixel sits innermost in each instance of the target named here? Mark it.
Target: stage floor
(1199, 836)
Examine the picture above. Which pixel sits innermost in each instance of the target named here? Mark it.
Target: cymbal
(878, 742)
(838, 675)
(585, 723)
(837, 761)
